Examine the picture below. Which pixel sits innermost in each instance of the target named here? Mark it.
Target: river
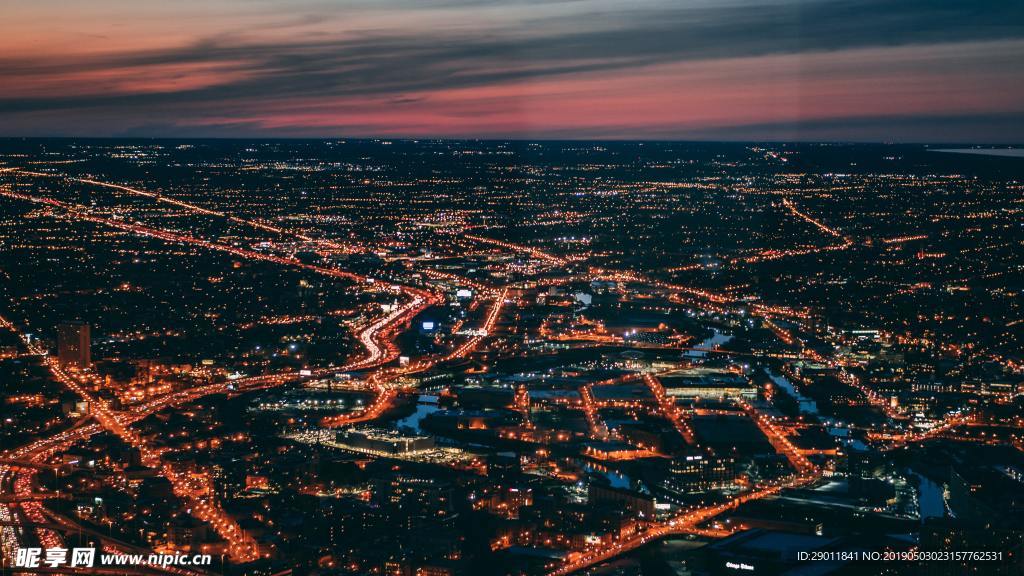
(426, 404)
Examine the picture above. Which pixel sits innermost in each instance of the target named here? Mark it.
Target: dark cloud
(390, 64)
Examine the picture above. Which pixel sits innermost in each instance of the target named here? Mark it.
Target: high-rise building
(73, 344)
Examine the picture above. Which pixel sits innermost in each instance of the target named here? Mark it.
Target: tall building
(73, 344)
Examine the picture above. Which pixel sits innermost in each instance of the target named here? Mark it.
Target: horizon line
(993, 145)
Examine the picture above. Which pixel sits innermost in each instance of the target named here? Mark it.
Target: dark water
(425, 404)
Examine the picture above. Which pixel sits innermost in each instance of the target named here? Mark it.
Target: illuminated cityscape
(512, 288)
(445, 357)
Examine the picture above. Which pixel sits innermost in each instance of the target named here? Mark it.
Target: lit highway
(669, 409)
(684, 523)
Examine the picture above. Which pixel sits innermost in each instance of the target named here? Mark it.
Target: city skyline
(587, 69)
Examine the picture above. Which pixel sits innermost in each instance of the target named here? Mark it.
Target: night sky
(852, 70)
